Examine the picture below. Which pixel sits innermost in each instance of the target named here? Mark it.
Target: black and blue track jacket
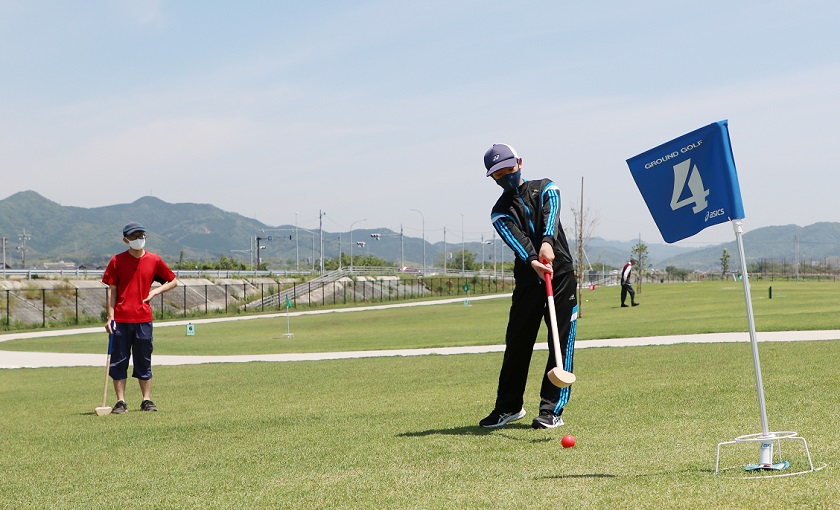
(525, 219)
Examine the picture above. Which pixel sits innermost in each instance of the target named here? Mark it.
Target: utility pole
(260, 247)
(580, 252)
(402, 248)
(445, 255)
(423, 226)
(321, 215)
(495, 259)
(3, 240)
(482, 252)
(22, 248)
(462, 245)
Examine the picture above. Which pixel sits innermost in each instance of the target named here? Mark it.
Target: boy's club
(104, 409)
(556, 375)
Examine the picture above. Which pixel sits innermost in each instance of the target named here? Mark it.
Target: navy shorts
(132, 339)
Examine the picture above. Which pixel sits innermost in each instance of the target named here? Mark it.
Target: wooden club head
(102, 411)
(561, 378)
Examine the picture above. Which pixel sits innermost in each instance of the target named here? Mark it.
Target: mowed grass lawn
(401, 432)
(667, 309)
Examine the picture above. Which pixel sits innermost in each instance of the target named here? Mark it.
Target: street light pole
(297, 250)
(351, 242)
(423, 218)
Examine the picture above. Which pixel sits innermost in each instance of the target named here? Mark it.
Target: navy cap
(132, 228)
(499, 156)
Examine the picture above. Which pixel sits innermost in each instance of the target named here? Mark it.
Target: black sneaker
(624, 306)
(497, 419)
(148, 405)
(634, 304)
(119, 407)
(547, 420)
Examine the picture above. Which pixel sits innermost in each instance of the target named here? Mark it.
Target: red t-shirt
(133, 278)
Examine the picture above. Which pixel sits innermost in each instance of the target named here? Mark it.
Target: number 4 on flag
(695, 187)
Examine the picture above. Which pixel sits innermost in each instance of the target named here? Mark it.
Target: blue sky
(369, 109)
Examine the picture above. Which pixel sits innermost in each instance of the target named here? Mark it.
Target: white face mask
(137, 244)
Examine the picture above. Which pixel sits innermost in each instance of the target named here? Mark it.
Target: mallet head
(561, 378)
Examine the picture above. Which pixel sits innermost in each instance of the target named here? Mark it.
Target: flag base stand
(779, 466)
(766, 462)
(766, 438)
(288, 335)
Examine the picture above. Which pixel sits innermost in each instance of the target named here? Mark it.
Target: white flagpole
(765, 437)
(751, 319)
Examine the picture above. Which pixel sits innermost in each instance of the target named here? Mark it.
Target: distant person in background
(626, 287)
(129, 277)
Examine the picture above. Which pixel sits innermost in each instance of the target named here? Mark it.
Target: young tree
(724, 263)
(640, 252)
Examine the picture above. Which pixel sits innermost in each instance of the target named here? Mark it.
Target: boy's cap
(132, 228)
(500, 155)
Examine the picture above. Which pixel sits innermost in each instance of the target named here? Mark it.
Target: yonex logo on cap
(500, 155)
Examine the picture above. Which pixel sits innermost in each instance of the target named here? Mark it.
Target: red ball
(568, 441)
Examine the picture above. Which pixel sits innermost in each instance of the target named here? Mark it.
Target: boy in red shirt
(129, 277)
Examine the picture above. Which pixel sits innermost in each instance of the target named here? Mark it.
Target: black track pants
(626, 288)
(528, 309)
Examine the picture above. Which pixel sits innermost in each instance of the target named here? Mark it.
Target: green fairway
(667, 309)
(402, 432)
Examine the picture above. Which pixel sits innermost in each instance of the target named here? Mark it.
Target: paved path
(16, 359)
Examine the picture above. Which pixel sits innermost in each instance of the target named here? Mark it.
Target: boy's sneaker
(497, 419)
(148, 405)
(547, 420)
(119, 407)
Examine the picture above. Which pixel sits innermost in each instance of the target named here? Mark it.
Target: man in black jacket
(527, 217)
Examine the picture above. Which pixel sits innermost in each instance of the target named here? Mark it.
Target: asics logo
(496, 157)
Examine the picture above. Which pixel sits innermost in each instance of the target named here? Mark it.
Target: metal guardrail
(32, 274)
(78, 273)
(58, 302)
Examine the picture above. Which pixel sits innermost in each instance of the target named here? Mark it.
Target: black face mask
(510, 182)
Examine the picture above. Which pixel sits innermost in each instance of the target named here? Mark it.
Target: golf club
(556, 375)
(104, 409)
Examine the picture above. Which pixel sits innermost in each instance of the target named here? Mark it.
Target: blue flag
(690, 183)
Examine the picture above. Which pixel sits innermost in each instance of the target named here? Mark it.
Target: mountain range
(90, 236)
